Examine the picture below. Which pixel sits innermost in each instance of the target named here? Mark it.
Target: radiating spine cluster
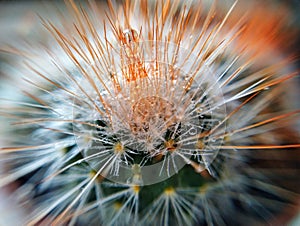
(157, 114)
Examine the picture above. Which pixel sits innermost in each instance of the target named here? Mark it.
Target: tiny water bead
(129, 35)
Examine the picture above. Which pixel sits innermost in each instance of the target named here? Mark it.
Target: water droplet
(193, 131)
(130, 35)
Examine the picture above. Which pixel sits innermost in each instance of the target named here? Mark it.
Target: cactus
(159, 113)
